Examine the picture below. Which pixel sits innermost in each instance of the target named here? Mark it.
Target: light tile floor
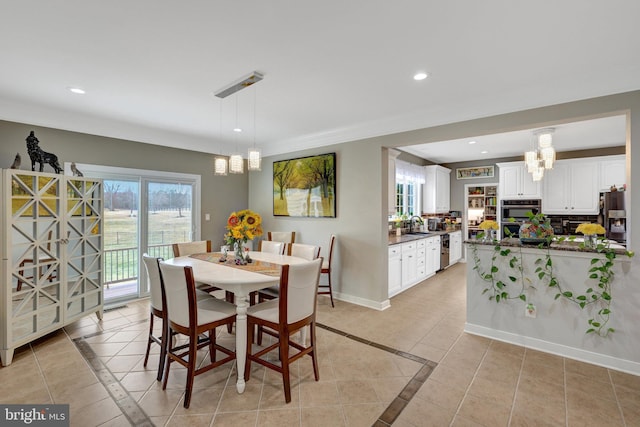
(96, 367)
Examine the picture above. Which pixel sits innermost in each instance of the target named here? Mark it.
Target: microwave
(519, 209)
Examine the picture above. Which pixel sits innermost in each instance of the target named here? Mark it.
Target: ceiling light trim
(238, 85)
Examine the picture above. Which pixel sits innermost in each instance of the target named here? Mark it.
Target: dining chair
(326, 269)
(267, 246)
(308, 252)
(273, 247)
(300, 250)
(42, 264)
(295, 309)
(201, 246)
(190, 317)
(156, 308)
(288, 237)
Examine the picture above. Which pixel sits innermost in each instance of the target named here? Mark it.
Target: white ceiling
(334, 71)
(583, 135)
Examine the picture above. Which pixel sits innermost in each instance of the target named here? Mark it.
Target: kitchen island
(529, 295)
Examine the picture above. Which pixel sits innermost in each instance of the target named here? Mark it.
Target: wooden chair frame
(284, 331)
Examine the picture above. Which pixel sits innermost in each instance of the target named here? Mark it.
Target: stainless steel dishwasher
(444, 251)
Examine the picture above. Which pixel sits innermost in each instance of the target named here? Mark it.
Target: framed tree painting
(305, 187)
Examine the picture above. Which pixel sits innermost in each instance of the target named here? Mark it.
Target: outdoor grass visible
(121, 233)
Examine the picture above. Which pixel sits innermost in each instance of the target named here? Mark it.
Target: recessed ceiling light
(472, 142)
(237, 130)
(77, 90)
(484, 152)
(420, 76)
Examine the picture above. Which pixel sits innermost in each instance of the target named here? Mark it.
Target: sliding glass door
(145, 212)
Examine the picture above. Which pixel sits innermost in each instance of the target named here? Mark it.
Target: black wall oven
(517, 209)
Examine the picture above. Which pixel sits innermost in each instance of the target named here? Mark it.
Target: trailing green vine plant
(601, 270)
(498, 289)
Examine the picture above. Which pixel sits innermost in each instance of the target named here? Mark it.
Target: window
(145, 211)
(409, 181)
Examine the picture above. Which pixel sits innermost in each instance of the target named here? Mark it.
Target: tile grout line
(133, 412)
(395, 408)
(121, 397)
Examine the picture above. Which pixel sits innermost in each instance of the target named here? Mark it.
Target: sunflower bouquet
(242, 226)
(488, 224)
(589, 228)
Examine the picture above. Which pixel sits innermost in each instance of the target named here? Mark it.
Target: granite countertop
(566, 245)
(394, 240)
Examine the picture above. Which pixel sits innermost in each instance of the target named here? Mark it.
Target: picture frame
(305, 186)
(475, 172)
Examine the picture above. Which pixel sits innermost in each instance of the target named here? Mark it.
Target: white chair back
(308, 252)
(178, 294)
(153, 280)
(299, 289)
(272, 247)
(282, 236)
(189, 248)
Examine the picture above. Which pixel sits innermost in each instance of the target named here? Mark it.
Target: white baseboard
(362, 301)
(603, 360)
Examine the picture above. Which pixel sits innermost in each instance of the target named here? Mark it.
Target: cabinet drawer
(408, 247)
(421, 243)
(394, 251)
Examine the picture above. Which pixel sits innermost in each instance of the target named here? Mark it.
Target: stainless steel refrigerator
(615, 217)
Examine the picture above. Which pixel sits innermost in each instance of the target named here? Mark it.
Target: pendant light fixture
(236, 164)
(542, 155)
(220, 164)
(254, 161)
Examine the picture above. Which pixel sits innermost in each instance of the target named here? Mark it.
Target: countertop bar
(395, 240)
(566, 245)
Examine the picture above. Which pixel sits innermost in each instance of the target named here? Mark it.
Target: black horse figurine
(37, 155)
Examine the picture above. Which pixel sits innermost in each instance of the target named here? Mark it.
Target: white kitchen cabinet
(409, 264)
(51, 251)
(433, 255)
(571, 188)
(395, 269)
(455, 247)
(437, 190)
(421, 259)
(516, 182)
(613, 171)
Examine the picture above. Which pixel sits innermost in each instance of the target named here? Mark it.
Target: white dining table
(241, 283)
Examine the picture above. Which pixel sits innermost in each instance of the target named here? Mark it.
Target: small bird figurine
(16, 162)
(75, 170)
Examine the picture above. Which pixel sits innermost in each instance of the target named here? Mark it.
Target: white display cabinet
(52, 254)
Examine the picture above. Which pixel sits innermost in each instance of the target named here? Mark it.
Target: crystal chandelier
(542, 156)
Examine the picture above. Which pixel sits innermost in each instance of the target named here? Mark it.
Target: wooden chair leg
(212, 345)
(284, 357)
(191, 368)
(330, 290)
(165, 342)
(312, 344)
(149, 341)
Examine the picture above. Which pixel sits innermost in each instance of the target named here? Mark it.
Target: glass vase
(239, 255)
(590, 241)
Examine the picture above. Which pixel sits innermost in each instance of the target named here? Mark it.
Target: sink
(420, 232)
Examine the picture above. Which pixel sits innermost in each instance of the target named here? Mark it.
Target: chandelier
(235, 163)
(542, 155)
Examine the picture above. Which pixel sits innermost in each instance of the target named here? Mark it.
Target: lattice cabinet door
(31, 257)
(51, 247)
(83, 237)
